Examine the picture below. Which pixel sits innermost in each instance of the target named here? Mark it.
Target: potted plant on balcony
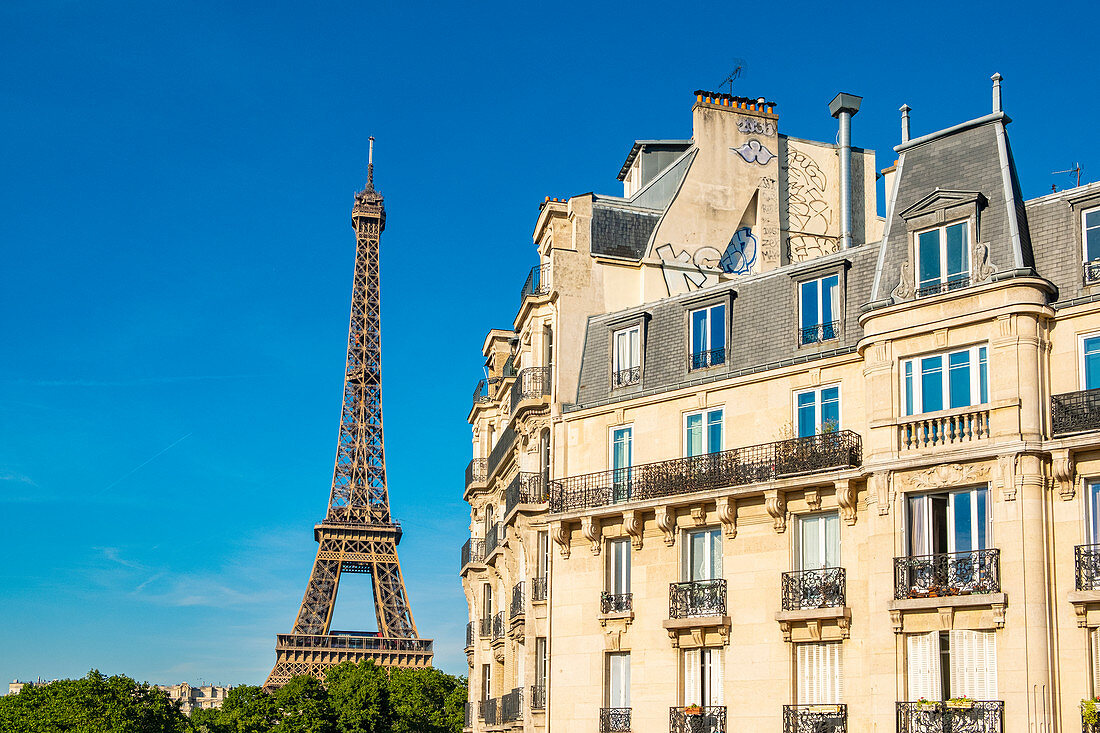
(961, 702)
(1090, 711)
(693, 709)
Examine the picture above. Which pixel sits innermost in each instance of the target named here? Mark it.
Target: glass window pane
(928, 246)
(830, 409)
(832, 541)
(959, 378)
(958, 254)
(1094, 513)
(964, 541)
(983, 375)
(718, 328)
(909, 405)
(809, 541)
(807, 420)
(698, 332)
(693, 438)
(698, 556)
(982, 518)
(931, 384)
(828, 299)
(809, 304)
(715, 554)
(714, 431)
(1092, 362)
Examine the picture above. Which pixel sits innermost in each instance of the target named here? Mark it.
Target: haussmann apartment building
(753, 457)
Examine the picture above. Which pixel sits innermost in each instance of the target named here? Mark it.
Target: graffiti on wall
(740, 253)
(753, 126)
(684, 272)
(754, 152)
(808, 212)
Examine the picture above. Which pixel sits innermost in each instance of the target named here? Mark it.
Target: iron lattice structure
(358, 535)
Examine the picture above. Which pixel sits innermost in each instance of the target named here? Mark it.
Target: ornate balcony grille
(538, 697)
(819, 332)
(525, 488)
(489, 711)
(1087, 562)
(539, 587)
(821, 588)
(498, 625)
(815, 719)
(352, 640)
(626, 377)
(943, 287)
(496, 536)
(737, 467)
(486, 628)
(477, 470)
(530, 384)
(472, 551)
(704, 359)
(614, 719)
(469, 634)
(1075, 412)
(709, 719)
(697, 598)
(616, 602)
(538, 282)
(947, 574)
(980, 716)
(1092, 272)
(505, 443)
(517, 600)
(483, 392)
(511, 706)
(939, 429)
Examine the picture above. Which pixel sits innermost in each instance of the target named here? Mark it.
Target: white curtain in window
(618, 680)
(692, 692)
(712, 675)
(923, 655)
(973, 664)
(819, 670)
(1094, 654)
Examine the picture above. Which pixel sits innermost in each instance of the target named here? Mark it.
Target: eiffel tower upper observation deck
(357, 535)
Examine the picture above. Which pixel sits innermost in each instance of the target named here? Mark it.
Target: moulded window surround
(817, 410)
(943, 257)
(945, 380)
(819, 309)
(626, 356)
(1088, 365)
(703, 432)
(707, 328)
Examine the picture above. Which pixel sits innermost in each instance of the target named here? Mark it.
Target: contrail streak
(137, 468)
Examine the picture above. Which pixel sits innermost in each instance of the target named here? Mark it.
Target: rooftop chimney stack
(843, 107)
(996, 92)
(904, 123)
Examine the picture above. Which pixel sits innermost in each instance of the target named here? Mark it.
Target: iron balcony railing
(498, 626)
(626, 377)
(538, 697)
(486, 627)
(489, 711)
(947, 574)
(469, 634)
(505, 443)
(705, 719)
(352, 641)
(472, 551)
(1092, 272)
(815, 719)
(1087, 564)
(616, 602)
(531, 383)
(704, 359)
(477, 470)
(517, 600)
(525, 488)
(754, 464)
(539, 587)
(538, 282)
(483, 391)
(943, 287)
(697, 598)
(494, 538)
(511, 706)
(976, 716)
(614, 719)
(819, 332)
(1075, 412)
(821, 588)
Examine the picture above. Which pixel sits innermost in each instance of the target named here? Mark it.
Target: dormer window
(1090, 238)
(943, 259)
(626, 361)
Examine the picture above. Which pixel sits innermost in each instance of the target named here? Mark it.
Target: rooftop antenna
(739, 66)
(1076, 169)
(370, 164)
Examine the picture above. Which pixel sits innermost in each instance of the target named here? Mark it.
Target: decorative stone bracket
(727, 515)
(1064, 471)
(776, 503)
(560, 533)
(846, 499)
(666, 522)
(590, 528)
(634, 527)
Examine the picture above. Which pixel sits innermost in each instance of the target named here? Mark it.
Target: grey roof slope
(1054, 225)
(621, 232)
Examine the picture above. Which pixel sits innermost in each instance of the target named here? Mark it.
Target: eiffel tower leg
(391, 606)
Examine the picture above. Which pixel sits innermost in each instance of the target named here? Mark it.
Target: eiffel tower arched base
(298, 654)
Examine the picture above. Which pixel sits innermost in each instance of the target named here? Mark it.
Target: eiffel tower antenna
(357, 534)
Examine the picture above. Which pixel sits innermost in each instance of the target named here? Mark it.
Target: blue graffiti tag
(740, 253)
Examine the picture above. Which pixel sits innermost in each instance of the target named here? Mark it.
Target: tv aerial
(739, 67)
(1075, 170)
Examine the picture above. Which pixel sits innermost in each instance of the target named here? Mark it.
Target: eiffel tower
(357, 534)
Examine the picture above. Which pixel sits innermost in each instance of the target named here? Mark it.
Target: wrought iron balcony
(525, 488)
(815, 719)
(486, 627)
(977, 716)
(1075, 412)
(477, 470)
(626, 377)
(697, 598)
(616, 602)
(704, 359)
(498, 626)
(489, 711)
(511, 706)
(821, 588)
(472, 551)
(538, 697)
(614, 719)
(531, 383)
(517, 600)
(538, 282)
(469, 634)
(539, 586)
(1087, 563)
(352, 641)
(819, 332)
(705, 719)
(483, 392)
(494, 538)
(943, 287)
(947, 574)
(505, 443)
(737, 467)
(1092, 272)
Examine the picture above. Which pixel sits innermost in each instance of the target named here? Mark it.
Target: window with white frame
(708, 336)
(702, 675)
(945, 381)
(819, 673)
(486, 681)
(702, 555)
(957, 663)
(618, 680)
(621, 458)
(541, 658)
(817, 410)
(948, 521)
(626, 356)
(703, 432)
(819, 310)
(1094, 659)
(1090, 361)
(943, 258)
(1090, 234)
(618, 567)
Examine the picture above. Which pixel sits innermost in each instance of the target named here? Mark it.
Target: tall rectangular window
(621, 460)
(819, 310)
(543, 551)
(1090, 361)
(1090, 234)
(957, 663)
(819, 541)
(618, 567)
(943, 258)
(486, 681)
(819, 673)
(541, 660)
(817, 410)
(486, 601)
(618, 680)
(702, 676)
(626, 356)
(708, 336)
(956, 521)
(703, 555)
(703, 432)
(946, 381)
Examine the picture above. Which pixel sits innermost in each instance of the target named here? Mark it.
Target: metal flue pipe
(843, 107)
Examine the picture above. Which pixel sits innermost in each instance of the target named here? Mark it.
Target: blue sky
(175, 190)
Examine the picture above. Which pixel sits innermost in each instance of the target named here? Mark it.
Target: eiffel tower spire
(358, 534)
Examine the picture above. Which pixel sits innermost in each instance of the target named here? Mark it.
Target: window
(1090, 360)
(702, 677)
(544, 459)
(543, 560)
(486, 681)
(703, 432)
(618, 680)
(703, 555)
(486, 601)
(540, 661)
(943, 259)
(708, 336)
(819, 673)
(817, 411)
(819, 541)
(819, 310)
(957, 663)
(956, 521)
(946, 381)
(626, 363)
(621, 457)
(1090, 234)
(618, 567)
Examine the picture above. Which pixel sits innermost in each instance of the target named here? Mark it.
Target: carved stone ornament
(666, 522)
(1006, 468)
(878, 491)
(983, 270)
(846, 499)
(1064, 471)
(590, 528)
(560, 534)
(776, 504)
(813, 499)
(727, 515)
(699, 516)
(896, 620)
(905, 289)
(946, 476)
(632, 523)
